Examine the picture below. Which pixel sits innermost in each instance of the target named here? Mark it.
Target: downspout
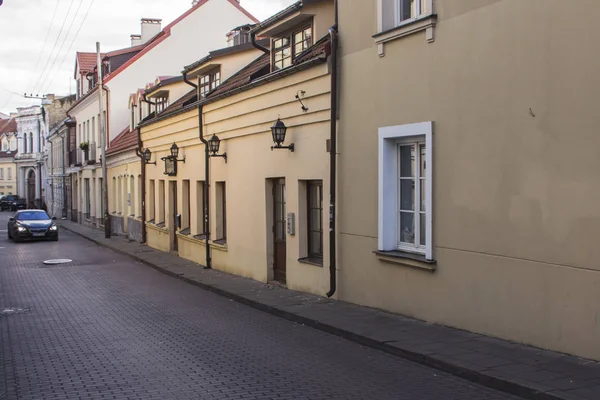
(206, 189)
(258, 46)
(206, 178)
(64, 183)
(333, 31)
(138, 152)
(186, 80)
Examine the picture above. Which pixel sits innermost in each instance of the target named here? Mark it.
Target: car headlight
(21, 228)
(53, 228)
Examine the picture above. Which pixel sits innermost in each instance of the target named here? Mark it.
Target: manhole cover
(57, 261)
(14, 310)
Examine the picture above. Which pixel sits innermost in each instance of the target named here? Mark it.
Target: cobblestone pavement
(105, 327)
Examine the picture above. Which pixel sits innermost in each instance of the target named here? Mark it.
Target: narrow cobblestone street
(106, 327)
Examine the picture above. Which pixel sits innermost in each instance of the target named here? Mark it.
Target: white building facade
(29, 156)
(162, 52)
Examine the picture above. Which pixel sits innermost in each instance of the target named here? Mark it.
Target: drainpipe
(186, 80)
(206, 189)
(206, 178)
(138, 152)
(258, 46)
(333, 31)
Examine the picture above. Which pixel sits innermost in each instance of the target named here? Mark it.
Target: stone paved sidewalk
(522, 370)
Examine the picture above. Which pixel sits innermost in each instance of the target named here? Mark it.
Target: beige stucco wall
(243, 124)
(510, 86)
(124, 175)
(8, 186)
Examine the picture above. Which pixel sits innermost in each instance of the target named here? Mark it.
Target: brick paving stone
(107, 327)
(489, 359)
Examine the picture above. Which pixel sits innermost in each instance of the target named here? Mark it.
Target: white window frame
(388, 230)
(397, 21)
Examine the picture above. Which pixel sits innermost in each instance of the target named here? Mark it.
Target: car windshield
(33, 216)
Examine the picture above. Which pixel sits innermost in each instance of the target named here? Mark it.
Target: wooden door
(173, 220)
(279, 231)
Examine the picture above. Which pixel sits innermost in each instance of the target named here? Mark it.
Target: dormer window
(209, 82)
(286, 48)
(162, 103)
(5, 145)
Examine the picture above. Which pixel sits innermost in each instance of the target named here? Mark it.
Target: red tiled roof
(8, 125)
(125, 141)
(166, 32)
(86, 61)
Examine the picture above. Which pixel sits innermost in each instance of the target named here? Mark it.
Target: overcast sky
(34, 58)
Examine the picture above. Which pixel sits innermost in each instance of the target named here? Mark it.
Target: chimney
(136, 40)
(150, 28)
(194, 2)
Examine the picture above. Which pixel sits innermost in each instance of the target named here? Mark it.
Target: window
(395, 12)
(221, 212)
(138, 211)
(200, 204)
(114, 194)
(282, 47)
(185, 215)
(13, 145)
(209, 82)
(94, 129)
(9, 173)
(161, 202)
(151, 200)
(1, 173)
(101, 216)
(132, 196)
(31, 142)
(405, 184)
(314, 190)
(5, 145)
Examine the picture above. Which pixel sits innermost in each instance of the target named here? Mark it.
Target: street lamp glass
(147, 155)
(213, 144)
(174, 151)
(278, 130)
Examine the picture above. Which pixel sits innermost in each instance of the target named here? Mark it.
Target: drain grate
(13, 310)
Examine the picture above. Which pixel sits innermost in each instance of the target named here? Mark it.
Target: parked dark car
(32, 224)
(12, 202)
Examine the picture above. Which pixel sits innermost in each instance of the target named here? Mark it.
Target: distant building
(8, 148)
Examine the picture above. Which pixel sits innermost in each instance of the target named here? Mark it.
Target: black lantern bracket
(278, 146)
(213, 147)
(175, 153)
(299, 96)
(278, 131)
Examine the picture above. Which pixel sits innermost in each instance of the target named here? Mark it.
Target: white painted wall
(192, 38)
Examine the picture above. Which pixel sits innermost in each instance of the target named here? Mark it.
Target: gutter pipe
(333, 33)
(258, 46)
(206, 178)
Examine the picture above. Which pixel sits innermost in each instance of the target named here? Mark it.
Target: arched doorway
(30, 187)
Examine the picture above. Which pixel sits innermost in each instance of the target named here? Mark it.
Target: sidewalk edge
(481, 378)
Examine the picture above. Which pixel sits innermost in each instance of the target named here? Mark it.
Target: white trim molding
(423, 21)
(389, 137)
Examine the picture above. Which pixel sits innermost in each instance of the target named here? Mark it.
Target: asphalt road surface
(107, 327)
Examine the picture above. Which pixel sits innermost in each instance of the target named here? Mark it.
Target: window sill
(425, 23)
(312, 261)
(185, 232)
(407, 259)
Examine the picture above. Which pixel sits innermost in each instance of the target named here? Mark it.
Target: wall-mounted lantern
(148, 156)
(213, 147)
(278, 130)
(171, 161)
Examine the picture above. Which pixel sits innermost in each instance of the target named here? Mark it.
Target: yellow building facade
(266, 207)
(499, 104)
